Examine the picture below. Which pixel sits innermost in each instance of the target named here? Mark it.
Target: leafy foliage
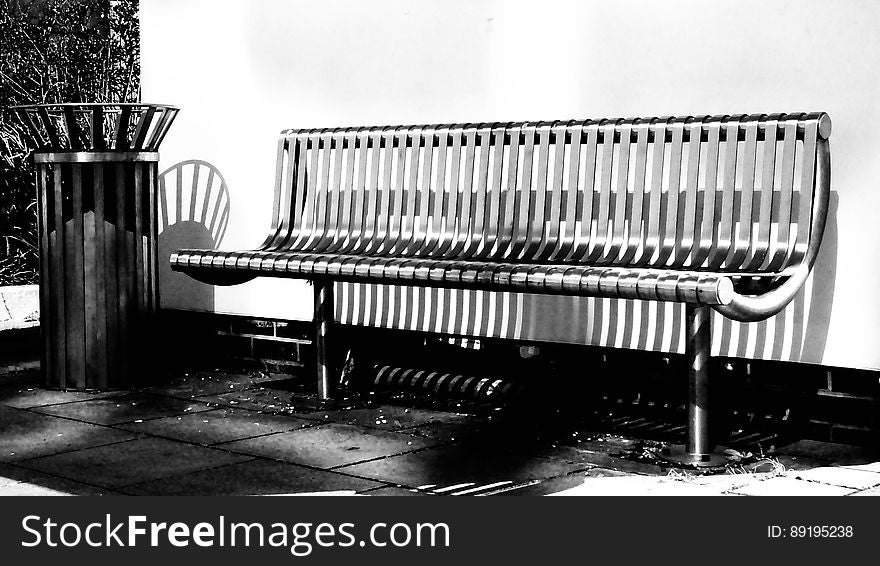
(54, 51)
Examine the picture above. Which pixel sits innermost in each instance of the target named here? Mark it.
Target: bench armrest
(753, 308)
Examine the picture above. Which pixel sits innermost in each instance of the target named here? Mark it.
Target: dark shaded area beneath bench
(757, 404)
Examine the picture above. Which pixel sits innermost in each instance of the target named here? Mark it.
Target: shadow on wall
(825, 271)
(193, 213)
(798, 333)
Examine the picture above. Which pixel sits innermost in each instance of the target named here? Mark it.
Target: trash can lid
(88, 126)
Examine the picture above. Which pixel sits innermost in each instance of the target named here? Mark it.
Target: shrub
(54, 51)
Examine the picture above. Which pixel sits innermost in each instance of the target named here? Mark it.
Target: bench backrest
(682, 193)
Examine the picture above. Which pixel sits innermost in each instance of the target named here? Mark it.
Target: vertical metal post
(699, 338)
(698, 450)
(323, 320)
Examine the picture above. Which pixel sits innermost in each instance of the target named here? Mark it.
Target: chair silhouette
(193, 212)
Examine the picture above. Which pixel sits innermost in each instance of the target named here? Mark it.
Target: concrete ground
(220, 433)
(19, 306)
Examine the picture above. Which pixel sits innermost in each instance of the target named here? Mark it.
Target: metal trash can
(96, 167)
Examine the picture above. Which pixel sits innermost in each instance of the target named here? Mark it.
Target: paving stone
(784, 485)
(255, 477)
(390, 417)
(542, 487)
(31, 490)
(9, 475)
(328, 445)
(26, 397)
(637, 485)
(453, 465)
(724, 482)
(873, 491)
(872, 467)
(841, 454)
(15, 480)
(471, 488)
(394, 492)
(286, 396)
(24, 434)
(135, 461)
(580, 456)
(601, 473)
(844, 477)
(471, 429)
(125, 409)
(218, 425)
(561, 483)
(267, 401)
(208, 383)
(798, 462)
(605, 443)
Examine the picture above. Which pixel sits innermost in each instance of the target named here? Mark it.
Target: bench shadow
(193, 213)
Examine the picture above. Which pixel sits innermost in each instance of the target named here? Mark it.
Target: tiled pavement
(216, 433)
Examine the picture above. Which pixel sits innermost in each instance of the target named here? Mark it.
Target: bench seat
(625, 283)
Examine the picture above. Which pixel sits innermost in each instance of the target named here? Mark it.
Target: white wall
(244, 70)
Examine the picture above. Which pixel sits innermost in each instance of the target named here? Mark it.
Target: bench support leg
(323, 319)
(698, 338)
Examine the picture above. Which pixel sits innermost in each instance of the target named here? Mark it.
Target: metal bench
(662, 209)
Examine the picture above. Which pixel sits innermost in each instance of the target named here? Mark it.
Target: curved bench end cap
(825, 126)
(725, 291)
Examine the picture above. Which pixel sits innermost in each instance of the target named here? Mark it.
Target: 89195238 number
(809, 531)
